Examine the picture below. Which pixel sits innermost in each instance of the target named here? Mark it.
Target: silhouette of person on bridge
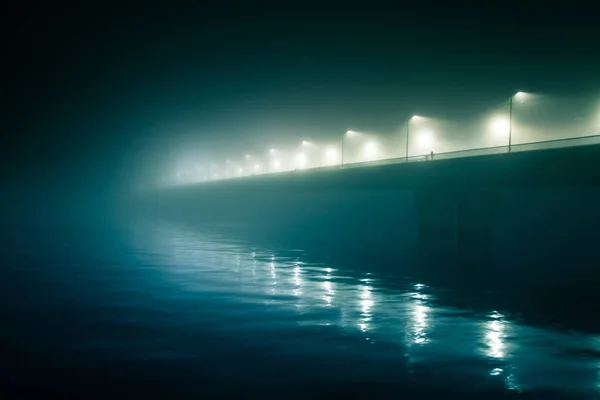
(431, 155)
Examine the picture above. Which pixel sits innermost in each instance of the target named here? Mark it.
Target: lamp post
(414, 117)
(342, 161)
(407, 130)
(523, 96)
(269, 160)
(510, 110)
(348, 132)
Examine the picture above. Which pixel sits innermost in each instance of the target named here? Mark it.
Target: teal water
(155, 308)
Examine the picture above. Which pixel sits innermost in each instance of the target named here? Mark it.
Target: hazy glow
(425, 140)
(331, 155)
(371, 148)
(499, 126)
(521, 96)
(301, 160)
(416, 118)
(306, 143)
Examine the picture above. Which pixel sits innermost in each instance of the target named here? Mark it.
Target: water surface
(158, 308)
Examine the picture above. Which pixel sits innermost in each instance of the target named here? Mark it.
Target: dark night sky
(98, 92)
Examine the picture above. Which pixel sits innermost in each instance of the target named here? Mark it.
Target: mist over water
(158, 302)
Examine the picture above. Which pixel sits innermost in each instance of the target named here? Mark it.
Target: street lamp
(414, 118)
(348, 132)
(272, 151)
(520, 97)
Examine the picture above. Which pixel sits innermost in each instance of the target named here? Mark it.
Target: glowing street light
(414, 118)
(272, 153)
(349, 133)
(520, 97)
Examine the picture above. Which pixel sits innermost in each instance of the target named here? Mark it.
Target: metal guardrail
(477, 152)
(484, 151)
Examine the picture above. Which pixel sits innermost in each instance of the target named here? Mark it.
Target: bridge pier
(456, 226)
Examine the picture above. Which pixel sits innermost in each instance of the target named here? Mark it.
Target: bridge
(455, 199)
(527, 122)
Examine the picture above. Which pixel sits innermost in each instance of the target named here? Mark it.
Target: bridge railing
(525, 122)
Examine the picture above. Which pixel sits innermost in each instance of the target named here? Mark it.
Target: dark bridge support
(456, 226)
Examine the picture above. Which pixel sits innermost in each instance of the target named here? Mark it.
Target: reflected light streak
(329, 292)
(366, 304)
(297, 280)
(494, 336)
(420, 324)
(274, 277)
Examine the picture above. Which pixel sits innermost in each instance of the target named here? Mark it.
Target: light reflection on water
(408, 318)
